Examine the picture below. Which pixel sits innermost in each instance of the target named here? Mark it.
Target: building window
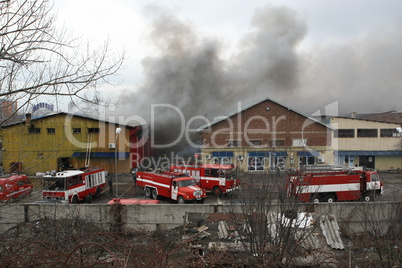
(389, 132)
(222, 160)
(367, 132)
(76, 130)
(93, 130)
(275, 143)
(51, 131)
(344, 133)
(307, 160)
(34, 130)
(278, 162)
(233, 143)
(256, 163)
(255, 142)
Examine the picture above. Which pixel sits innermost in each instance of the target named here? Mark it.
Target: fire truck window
(60, 184)
(374, 177)
(186, 183)
(207, 172)
(76, 180)
(214, 173)
(20, 183)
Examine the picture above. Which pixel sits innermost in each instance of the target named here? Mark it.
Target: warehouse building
(59, 141)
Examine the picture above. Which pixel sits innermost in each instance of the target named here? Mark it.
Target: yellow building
(59, 141)
(369, 143)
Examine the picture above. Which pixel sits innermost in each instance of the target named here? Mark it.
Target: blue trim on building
(368, 153)
(222, 154)
(308, 153)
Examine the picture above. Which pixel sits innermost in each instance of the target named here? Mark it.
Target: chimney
(28, 117)
(353, 115)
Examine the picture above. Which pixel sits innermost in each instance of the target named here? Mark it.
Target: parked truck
(174, 185)
(73, 186)
(216, 178)
(335, 185)
(14, 187)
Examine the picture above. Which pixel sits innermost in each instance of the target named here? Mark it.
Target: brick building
(265, 136)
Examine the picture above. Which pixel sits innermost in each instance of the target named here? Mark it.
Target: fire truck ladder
(88, 152)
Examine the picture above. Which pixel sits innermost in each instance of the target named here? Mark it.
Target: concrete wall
(350, 216)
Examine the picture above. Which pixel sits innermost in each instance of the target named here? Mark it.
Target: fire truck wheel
(88, 199)
(147, 192)
(315, 199)
(330, 198)
(98, 192)
(180, 200)
(154, 194)
(74, 200)
(217, 191)
(367, 198)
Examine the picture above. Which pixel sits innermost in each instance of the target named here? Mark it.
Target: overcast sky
(306, 54)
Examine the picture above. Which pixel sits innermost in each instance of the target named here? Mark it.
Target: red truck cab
(172, 185)
(219, 179)
(14, 187)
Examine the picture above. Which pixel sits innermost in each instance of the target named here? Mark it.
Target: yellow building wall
(369, 144)
(358, 143)
(39, 152)
(388, 162)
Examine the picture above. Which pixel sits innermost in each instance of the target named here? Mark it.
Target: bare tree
(382, 225)
(36, 59)
(270, 227)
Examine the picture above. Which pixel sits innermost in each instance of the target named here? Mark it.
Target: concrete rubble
(217, 232)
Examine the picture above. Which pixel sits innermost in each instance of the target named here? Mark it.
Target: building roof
(363, 118)
(68, 114)
(244, 108)
(389, 117)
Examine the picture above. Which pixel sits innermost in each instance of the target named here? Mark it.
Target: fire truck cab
(74, 185)
(174, 185)
(14, 187)
(216, 178)
(335, 185)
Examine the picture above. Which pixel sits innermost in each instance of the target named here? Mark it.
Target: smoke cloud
(188, 71)
(362, 73)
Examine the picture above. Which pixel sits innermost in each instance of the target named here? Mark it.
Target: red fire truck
(74, 185)
(217, 178)
(335, 185)
(14, 187)
(174, 185)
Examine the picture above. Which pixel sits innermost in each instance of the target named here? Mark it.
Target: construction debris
(315, 233)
